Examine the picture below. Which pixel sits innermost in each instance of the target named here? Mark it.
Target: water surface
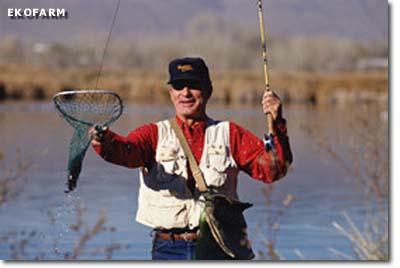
(322, 191)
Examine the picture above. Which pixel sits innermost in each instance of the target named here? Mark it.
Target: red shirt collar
(198, 124)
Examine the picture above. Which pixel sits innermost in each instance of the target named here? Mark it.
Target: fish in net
(84, 109)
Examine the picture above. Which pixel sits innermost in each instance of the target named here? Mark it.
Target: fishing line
(107, 42)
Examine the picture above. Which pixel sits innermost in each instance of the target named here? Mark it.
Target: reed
(26, 82)
(13, 178)
(274, 213)
(23, 244)
(366, 161)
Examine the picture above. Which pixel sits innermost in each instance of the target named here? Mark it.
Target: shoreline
(18, 82)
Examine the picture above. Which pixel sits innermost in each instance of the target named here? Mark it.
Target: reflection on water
(322, 190)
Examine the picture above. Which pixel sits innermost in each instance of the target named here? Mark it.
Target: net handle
(98, 91)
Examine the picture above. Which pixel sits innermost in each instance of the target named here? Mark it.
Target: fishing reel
(269, 142)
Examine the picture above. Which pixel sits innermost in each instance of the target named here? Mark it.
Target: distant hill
(361, 20)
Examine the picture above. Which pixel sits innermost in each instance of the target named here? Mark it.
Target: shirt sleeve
(135, 150)
(250, 155)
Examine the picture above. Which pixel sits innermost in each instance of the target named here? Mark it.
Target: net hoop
(86, 91)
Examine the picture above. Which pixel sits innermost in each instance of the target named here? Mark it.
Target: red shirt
(139, 148)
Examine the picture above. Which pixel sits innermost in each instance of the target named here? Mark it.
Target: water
(37, 222)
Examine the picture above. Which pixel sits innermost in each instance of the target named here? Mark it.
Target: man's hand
(271, 103)
(97, 134)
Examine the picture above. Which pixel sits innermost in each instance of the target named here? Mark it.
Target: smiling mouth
(187, 102)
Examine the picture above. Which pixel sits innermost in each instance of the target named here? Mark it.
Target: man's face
(188, 98)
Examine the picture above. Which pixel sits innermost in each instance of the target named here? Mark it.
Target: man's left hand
(271, 103)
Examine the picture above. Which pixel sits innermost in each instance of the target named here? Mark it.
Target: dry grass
(12, 179)
(366, 161)
(230, 87)
(368, 243)
(23, 245)
(273, 220)
(87, 235)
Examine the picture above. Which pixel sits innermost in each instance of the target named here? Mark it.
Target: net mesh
(83, 110)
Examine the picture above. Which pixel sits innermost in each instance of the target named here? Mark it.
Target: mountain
(361, 20)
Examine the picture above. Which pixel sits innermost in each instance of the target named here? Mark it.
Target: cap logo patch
(185, 68)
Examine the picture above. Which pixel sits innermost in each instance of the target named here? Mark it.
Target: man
(168, 195)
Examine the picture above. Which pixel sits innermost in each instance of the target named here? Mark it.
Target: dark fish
(207, 248)
(223, 233)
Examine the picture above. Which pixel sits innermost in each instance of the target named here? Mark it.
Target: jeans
(173, 249)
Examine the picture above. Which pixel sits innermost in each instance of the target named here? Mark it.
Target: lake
(37, 222)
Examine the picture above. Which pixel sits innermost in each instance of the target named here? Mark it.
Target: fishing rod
(269, 144)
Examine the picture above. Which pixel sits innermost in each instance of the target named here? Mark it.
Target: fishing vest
(165, 200)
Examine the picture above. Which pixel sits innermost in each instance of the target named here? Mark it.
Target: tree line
(232, 50)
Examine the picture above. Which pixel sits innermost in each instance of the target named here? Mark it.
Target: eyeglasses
(181, 84)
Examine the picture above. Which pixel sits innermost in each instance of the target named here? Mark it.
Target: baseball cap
(188, 69)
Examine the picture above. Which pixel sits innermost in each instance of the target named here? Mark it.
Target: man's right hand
(97, 133)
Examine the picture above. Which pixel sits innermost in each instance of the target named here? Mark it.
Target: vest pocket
(218, 162)
(168, 165)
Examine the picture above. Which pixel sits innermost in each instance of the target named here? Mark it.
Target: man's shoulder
(235, 125)
(238, 131)
(148, 126)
